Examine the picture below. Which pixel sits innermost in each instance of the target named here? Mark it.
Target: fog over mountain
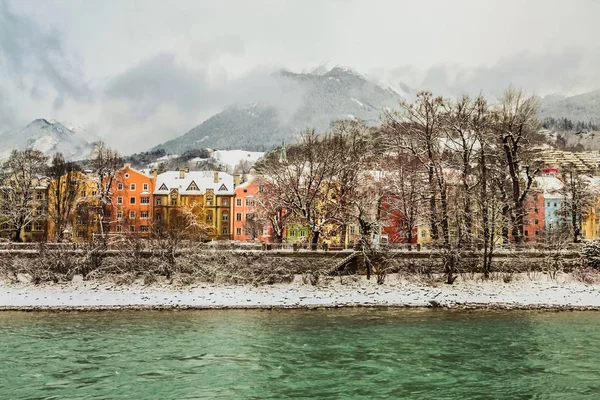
(141, 74)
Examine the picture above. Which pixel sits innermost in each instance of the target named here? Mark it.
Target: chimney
(187, 169)
(155, 172)
(237, 179)
(126, 165)
(216, 177)
(181, 173)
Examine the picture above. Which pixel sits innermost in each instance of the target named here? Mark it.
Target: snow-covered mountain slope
(339, 93)
(231, 158)
(49, 136)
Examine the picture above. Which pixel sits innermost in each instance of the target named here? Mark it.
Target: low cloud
(569, 71)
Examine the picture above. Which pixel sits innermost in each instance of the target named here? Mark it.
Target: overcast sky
(141, 72)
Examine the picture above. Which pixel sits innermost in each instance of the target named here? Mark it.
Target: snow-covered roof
(195, 182)
(548, 183)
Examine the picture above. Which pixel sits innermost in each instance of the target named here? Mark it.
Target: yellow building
(590, 222)
(78, 205)
(206, 194)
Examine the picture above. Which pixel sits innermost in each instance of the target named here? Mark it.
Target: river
(323, 354)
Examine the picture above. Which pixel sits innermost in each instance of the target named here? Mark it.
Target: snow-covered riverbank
(522, 292)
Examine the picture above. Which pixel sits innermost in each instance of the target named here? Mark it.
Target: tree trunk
(432, 206)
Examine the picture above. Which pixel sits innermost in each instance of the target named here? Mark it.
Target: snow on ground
(233, 157)
(540, 292)
(357, 102)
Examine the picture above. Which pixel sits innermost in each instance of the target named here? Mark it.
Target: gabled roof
(203, 180)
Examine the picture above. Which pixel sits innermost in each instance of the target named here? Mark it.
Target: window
(238, 202)
(250, 202)
(554, 204)
(132, 200)
(225, 202)
(119, 215)
(548, 205)
(209, 201)
(131, 228)
(225, 216)
(302, 233)
(260, 189)
(94, 193)
(526, 233)
(39, 195)
(119, 200)
(173, 201)
(132, 187)
(80, 234)
(422, 234)
(144, 228)
(28, 228)
(131, 214)
(238, 231)
(144, 214)
(82, 194)
(209, 216)
(238, 216)
(158, 217)
(225, 231)
(352, 230)
(158, 201)
(145, 187)
(144, 200)
(119, 186)
(119, 228)
(37, 226)
(292, 233)
(537, 222)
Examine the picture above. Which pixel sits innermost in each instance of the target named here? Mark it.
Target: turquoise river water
(293, 354)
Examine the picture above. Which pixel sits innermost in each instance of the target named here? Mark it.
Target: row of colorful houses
(228, 206)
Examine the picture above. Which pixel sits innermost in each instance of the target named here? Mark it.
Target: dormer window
(193, 186)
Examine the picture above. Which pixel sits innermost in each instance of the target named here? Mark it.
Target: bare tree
(403, 194)
(416, 128)
(303, 181)
(64, 188)
(461, 143)
(577, 198)
(515, 124)
(22, 201)
(270, 209)
(184, 226)
(105, 162)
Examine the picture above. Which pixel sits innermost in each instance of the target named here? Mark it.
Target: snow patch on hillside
(231, 158)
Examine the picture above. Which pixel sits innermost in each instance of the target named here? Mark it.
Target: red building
(246, 224)
(533, 225)
(394, 221)
(132, 202)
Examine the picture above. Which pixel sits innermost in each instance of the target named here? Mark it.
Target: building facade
(208, 195)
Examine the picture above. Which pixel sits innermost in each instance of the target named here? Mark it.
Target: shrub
(590, 255)
(586, 275)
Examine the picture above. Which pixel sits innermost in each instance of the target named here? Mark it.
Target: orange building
(132, 202)
(246, 227)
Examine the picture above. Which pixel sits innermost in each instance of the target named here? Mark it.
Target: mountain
(583, 107)
(49, 136)
(339, 93)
